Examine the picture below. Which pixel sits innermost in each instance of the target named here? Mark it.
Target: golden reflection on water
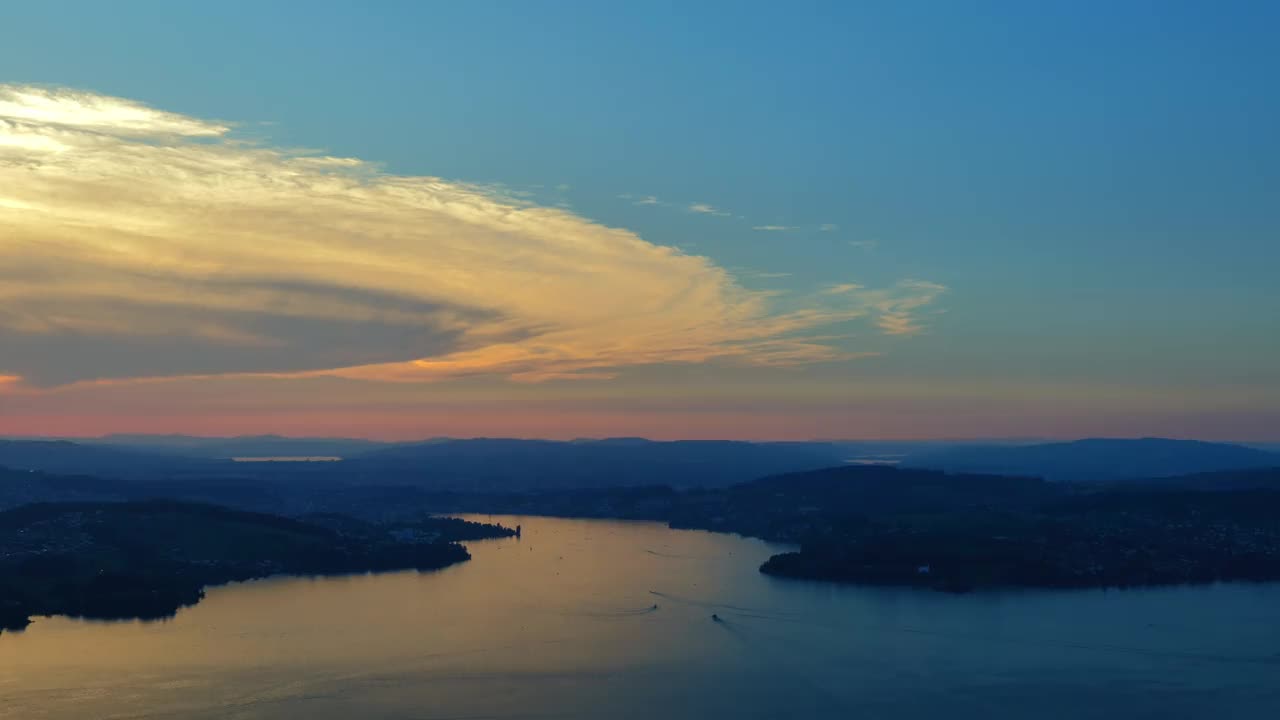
(560, 623)
(570, 599)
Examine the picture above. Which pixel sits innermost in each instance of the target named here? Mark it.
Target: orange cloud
(140, 243)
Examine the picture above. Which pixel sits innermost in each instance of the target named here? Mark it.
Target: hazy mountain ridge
(516, 465)
(1098, 459)
(506, 464)
(463, 464)
(67, 457)
(241, 445)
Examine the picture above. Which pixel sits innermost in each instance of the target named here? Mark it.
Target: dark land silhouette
(105, 546)
(1096, 459)
(488, 464)
(148, 559)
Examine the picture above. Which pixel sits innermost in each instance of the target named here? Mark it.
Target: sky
(729, 220)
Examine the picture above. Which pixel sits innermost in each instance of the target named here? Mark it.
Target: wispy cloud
(139, 243)
(828, 227)
(841, 289)
(69, 110)
(697, 208)
(793, 228)
(705, 209)
(864, 244)
(759, 274)
(897, 309)
(641, 199)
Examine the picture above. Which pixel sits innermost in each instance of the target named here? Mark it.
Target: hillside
(1098, 459)
(148, 559)
(65, 457)
(506, 465)
(960, 532)
(885, 525)
(1267, 478)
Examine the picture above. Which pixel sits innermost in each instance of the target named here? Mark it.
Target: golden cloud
(896, 312)
(141, 243)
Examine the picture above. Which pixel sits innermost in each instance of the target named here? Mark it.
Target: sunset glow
(781, 261)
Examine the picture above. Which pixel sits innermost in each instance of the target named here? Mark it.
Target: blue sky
(1095, 184)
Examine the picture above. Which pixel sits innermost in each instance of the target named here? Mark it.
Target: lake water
(560, 624)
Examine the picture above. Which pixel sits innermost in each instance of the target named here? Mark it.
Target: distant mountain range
(62, 456)
(509, 465)
(503, 465)
(1097, 459)
(238, 447)
(499, 465)
(563, 479)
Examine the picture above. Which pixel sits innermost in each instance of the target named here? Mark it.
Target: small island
(146, 560)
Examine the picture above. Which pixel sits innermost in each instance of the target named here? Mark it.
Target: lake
(560, 624)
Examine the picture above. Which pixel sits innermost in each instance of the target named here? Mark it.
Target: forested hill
(1097, 459)
(148, 559)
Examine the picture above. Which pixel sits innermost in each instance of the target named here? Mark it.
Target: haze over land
(513, 464)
